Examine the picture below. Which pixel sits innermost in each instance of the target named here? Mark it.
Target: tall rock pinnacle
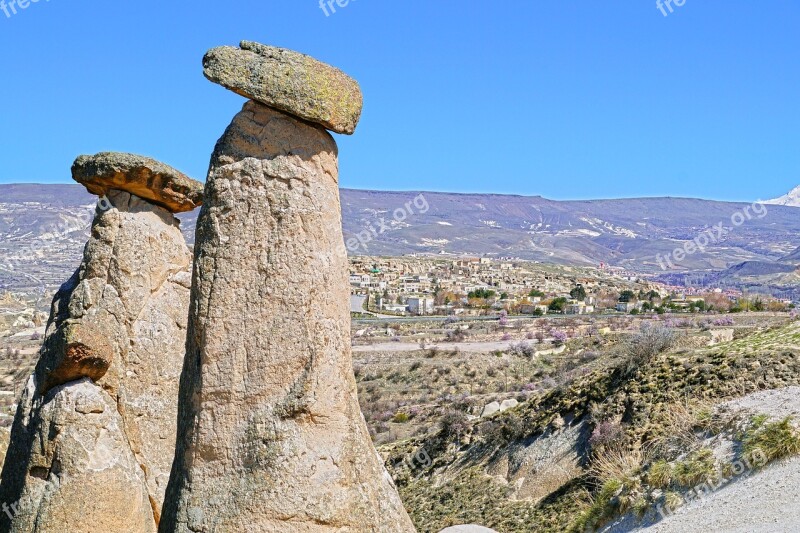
(271, 437)
(93, 438)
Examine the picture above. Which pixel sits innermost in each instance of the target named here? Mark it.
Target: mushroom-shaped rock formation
(271, 436)
(94, 433)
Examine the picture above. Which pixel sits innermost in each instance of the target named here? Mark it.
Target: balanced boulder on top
(141, 176)
(288, 81)
(271, 437)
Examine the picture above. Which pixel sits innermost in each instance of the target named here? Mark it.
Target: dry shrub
(616, 462)
(606, 433)
(681, 425)
(650, 341)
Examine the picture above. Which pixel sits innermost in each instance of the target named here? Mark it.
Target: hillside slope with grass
(647, 428)
(763, 503)
(762, 498)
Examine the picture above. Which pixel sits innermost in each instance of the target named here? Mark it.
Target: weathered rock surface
(508, 404)
(138, 175)
(496, 407)
(94, 434)
(719, 336)
(271, 437)
(5, 437)
(289, 81)
(539, 468)
(82, 474)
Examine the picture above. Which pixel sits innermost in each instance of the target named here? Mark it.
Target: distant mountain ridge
(630, 233)
(792, 258)
(791, 200)
(627, 232)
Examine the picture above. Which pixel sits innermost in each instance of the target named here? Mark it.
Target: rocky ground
(409, 373)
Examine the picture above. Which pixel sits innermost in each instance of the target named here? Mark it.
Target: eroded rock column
(271, 438)
(93, 438)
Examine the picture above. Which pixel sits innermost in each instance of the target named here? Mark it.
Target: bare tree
(651, 340)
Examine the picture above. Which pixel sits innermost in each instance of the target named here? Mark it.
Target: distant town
(472, 286)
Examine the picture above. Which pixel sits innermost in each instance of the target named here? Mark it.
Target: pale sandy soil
(766, 502)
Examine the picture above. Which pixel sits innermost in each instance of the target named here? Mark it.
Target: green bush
(774, 440)
(660, 475)
(601, 510)
(699, 467)
(401, 418)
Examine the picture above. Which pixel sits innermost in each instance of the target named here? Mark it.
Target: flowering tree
(503, 319)
(559, 337)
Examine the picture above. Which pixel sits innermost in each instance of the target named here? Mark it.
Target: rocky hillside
(628, 232)
(780, 279)
(793, 258)
(633, 436)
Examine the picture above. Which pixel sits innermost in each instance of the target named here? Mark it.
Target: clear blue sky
(562, 98)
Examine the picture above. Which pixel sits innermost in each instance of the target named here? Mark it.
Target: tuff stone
(94, 433)
(288, 81)
(82, 351)
(144, 177)
(80, 473)
(271, 437)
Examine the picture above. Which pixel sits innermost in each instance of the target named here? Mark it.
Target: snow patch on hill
(791, 200)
